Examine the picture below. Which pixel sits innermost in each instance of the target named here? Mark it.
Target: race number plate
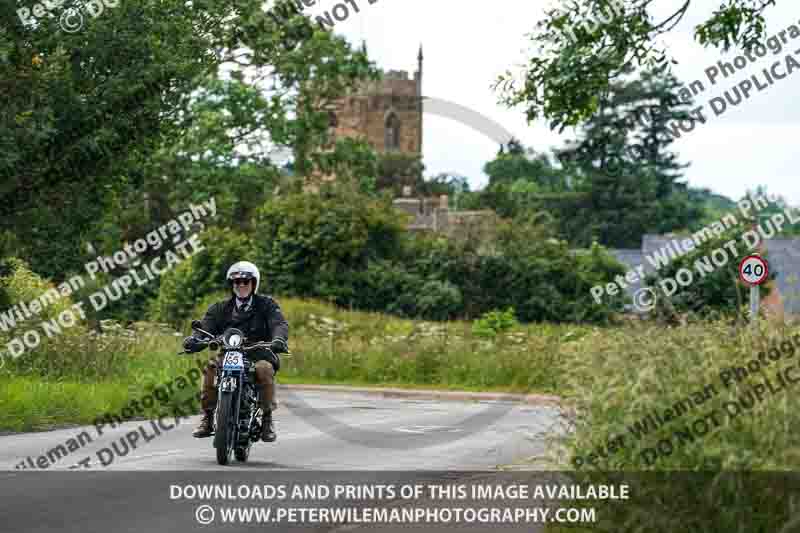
(233, 361)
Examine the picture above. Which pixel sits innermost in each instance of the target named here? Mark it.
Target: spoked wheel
(223, 439)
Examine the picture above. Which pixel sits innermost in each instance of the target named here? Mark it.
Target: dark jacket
(264, 321)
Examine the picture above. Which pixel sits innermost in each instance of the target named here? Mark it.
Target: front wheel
(223, 438)
(242, 453)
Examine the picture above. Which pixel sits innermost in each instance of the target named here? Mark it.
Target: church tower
(387, 113)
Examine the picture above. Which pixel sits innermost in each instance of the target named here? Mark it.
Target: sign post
(754, 301)
(753, 271)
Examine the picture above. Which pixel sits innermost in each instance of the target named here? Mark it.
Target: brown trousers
(265, 377)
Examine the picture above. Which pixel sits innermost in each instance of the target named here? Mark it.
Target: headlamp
(233, 338)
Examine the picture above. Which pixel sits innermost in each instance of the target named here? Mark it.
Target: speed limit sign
(753, 270)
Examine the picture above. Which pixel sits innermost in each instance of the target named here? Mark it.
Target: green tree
(518, 179)
(85, 113)
(315, 244)
(74, 105)
(398, 169)
(514, 163)
(202, 275)
(579, 56)
(713, 205)
(354, 163)
(454, 185)
(624, 165)
(774, 207)
(525, 268)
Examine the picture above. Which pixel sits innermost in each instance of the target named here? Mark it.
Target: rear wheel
(223, 439)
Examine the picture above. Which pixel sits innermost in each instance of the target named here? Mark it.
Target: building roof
(783, 256)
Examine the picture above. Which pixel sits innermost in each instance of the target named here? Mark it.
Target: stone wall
(434, 215)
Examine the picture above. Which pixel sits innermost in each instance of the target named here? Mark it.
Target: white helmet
(244, 270)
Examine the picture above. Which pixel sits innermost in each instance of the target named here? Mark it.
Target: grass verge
(330, 346)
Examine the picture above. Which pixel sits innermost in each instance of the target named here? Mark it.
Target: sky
(466, 45)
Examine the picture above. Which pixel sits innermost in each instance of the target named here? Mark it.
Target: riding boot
(208, 400)
(267, 427)
(265, 376)
(267, 404)
(206, 426)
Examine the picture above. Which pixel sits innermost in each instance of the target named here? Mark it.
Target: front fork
(254, 421)
(234, 383)
(231, 383)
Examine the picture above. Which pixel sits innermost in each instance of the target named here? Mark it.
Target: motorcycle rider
(261, 319)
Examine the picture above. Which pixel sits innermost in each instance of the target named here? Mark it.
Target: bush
(439, 300)
(353, 251)
(391, 287)
(202, 275)
(74, 351)
(312, 245)
(388, 286)
(540, 277)
(494, 322)
(133, 306)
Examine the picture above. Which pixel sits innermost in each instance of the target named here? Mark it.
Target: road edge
(461, 396)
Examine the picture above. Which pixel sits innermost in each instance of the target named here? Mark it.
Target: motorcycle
(238, 413)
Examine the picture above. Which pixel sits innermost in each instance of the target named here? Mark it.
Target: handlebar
(196, 326)
(245, 348)
(216, 345)
(261, 344)
(214, 342)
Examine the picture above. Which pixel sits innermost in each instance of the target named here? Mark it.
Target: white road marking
(428, 429)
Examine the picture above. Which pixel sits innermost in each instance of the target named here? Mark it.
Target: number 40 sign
(753, 270)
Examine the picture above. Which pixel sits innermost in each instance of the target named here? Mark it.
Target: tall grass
(329, 345)
(609, 377)
(335, 345)
(721, 480)
(617, 376)
(76, 393)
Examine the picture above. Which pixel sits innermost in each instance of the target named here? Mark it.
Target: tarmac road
(317, 431)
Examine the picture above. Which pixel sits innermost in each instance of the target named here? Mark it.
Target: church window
(392, 133)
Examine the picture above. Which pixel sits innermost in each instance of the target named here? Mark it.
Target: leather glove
(279, 346)
(192, 345)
